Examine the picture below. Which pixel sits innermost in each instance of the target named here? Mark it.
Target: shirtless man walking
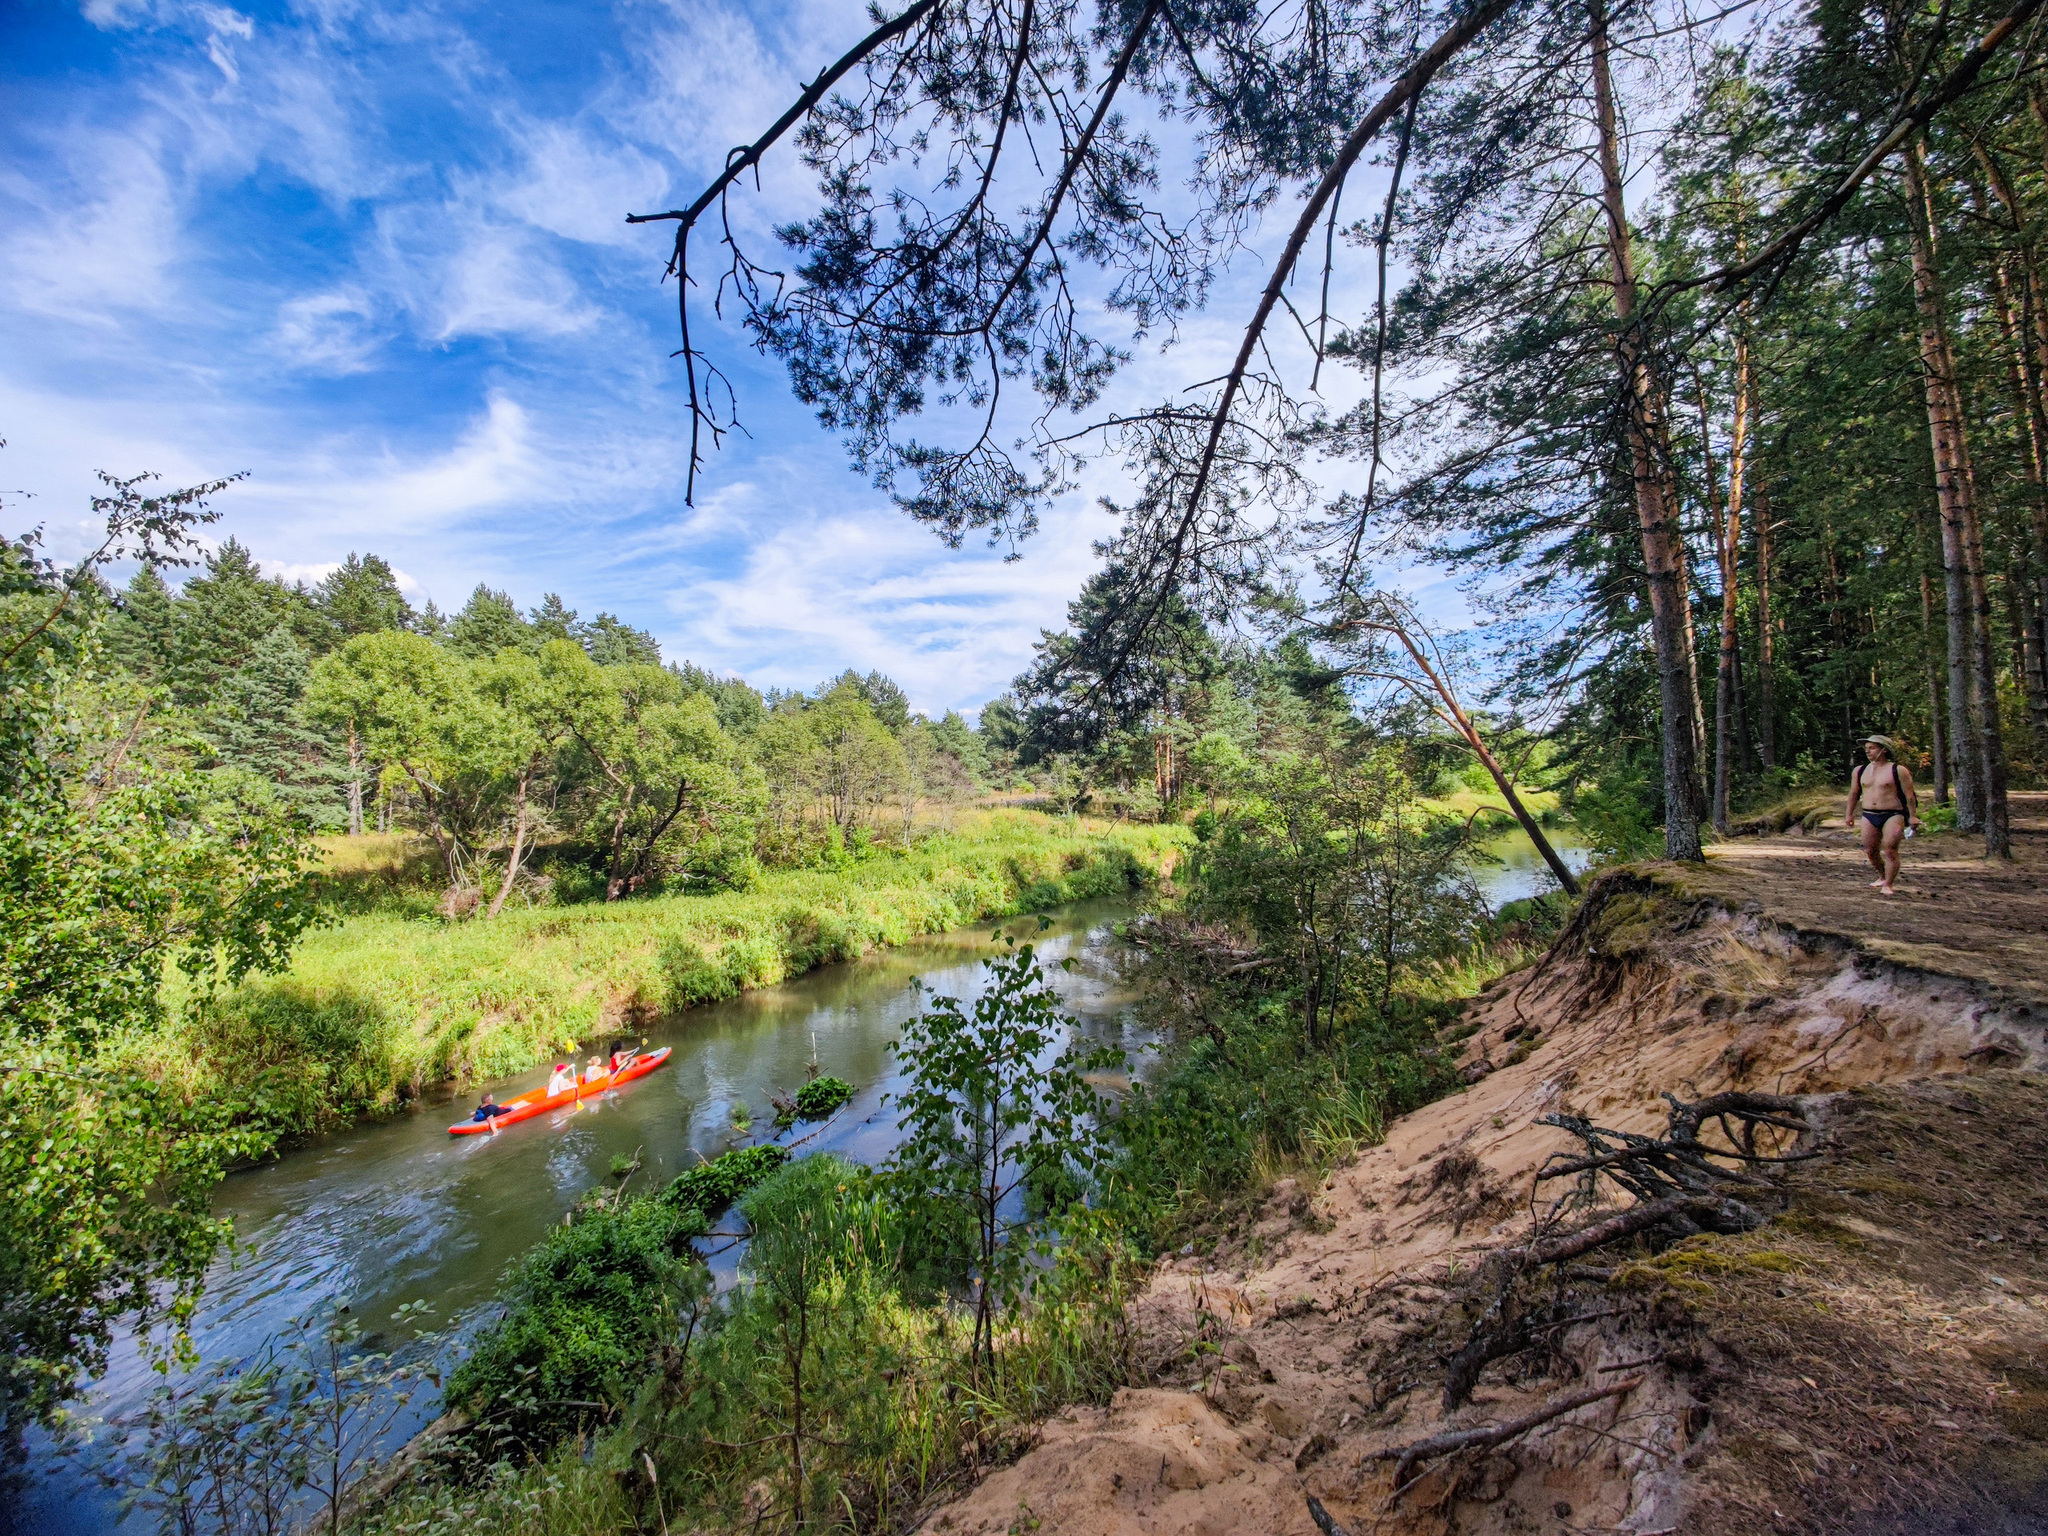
(1882, 789)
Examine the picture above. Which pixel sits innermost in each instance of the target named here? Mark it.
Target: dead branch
(1680, 1191)
(1679, 1164)
(1485, 1436)
(1321, 1516)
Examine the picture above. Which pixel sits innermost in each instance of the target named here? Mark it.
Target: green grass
(385, 1001)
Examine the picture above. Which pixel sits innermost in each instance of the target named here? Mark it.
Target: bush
(814, 1101)
(711, 1186)
(585, 1312)
(1251, 1091)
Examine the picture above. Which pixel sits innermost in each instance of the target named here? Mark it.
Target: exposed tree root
(1682, 1188)
(1486, 1436)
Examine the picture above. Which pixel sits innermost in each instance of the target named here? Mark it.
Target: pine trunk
(1766, 725)
(2019, 319)
(1939, 749)
(1952, 494)
(1728, 546)
(1663, 546)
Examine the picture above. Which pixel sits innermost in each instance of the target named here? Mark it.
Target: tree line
(493, 732)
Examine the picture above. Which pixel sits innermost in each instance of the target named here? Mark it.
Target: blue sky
(375, 255)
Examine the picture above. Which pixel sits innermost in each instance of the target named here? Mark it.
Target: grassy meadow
(389, 997)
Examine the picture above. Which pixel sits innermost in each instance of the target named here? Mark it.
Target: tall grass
(384, 1001)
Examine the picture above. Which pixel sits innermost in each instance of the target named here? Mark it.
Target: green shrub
(585, 1312)
(820, 1096)
(713, 1185)
(1252, 1090)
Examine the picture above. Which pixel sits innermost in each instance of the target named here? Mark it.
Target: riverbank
(381, 1006)
(1868, 1357)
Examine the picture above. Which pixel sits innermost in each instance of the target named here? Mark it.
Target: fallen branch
(1485, 1436)
(1640, 1218)
(1321, 1516)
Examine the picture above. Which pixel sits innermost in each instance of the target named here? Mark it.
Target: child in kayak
(595, 1073)
(488, 1112)
(563, 1080)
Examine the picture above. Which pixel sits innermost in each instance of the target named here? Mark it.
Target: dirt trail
(1875, 1360)
(1955, 912)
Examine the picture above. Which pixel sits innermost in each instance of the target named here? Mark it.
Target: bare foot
(1878, 882)
(1885, 890)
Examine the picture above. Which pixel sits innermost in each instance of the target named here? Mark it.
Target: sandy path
(1956, 912)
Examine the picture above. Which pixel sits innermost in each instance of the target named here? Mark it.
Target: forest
(1705, 353)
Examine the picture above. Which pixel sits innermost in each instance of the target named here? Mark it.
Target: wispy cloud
(375, 254)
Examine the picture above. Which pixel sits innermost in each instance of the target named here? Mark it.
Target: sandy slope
(1280, 1368)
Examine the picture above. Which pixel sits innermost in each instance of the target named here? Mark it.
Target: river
(397, 1210)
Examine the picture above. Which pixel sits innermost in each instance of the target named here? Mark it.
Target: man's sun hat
(1883, 741)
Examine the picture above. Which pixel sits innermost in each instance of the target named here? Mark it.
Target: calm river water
(398, 1210)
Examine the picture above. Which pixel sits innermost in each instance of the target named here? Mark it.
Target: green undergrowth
(1249, 1100)
(814, 1101)
(382, 1002)
(819, 1393)
(587, 1307)
(1246, 1097)
(714, 1184)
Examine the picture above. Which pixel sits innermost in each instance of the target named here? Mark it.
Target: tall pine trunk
(1766, 724)
(1728, 546)
(2019, 304)
(1973, 692)
(1938, 753)
(1656, 511)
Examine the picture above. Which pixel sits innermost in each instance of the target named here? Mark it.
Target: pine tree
(361, 596)
(489, 623)
(611, 642)
(257, 723)
(223, 615)
(555, 620)
(142, 636)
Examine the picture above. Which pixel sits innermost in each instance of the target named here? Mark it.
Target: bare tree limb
(1485, 1436)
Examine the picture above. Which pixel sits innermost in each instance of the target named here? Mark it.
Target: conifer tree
(257, 724)
(361, 596)
(142, 635)
(489, 623)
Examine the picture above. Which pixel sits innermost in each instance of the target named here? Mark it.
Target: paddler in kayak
(563, 1080)
(488, 1112)
(596, 1072)
(623, 1058)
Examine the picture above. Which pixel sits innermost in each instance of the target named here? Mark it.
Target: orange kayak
(540, 1101)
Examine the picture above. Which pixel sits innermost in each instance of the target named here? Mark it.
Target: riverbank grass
(379, 1004)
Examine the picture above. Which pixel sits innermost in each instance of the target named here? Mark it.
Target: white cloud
(221, 25)
(493, 461)
(98, 237)
(498, 282)
(579, 185)
(291, 572)
(820, 589)
(329, 333)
